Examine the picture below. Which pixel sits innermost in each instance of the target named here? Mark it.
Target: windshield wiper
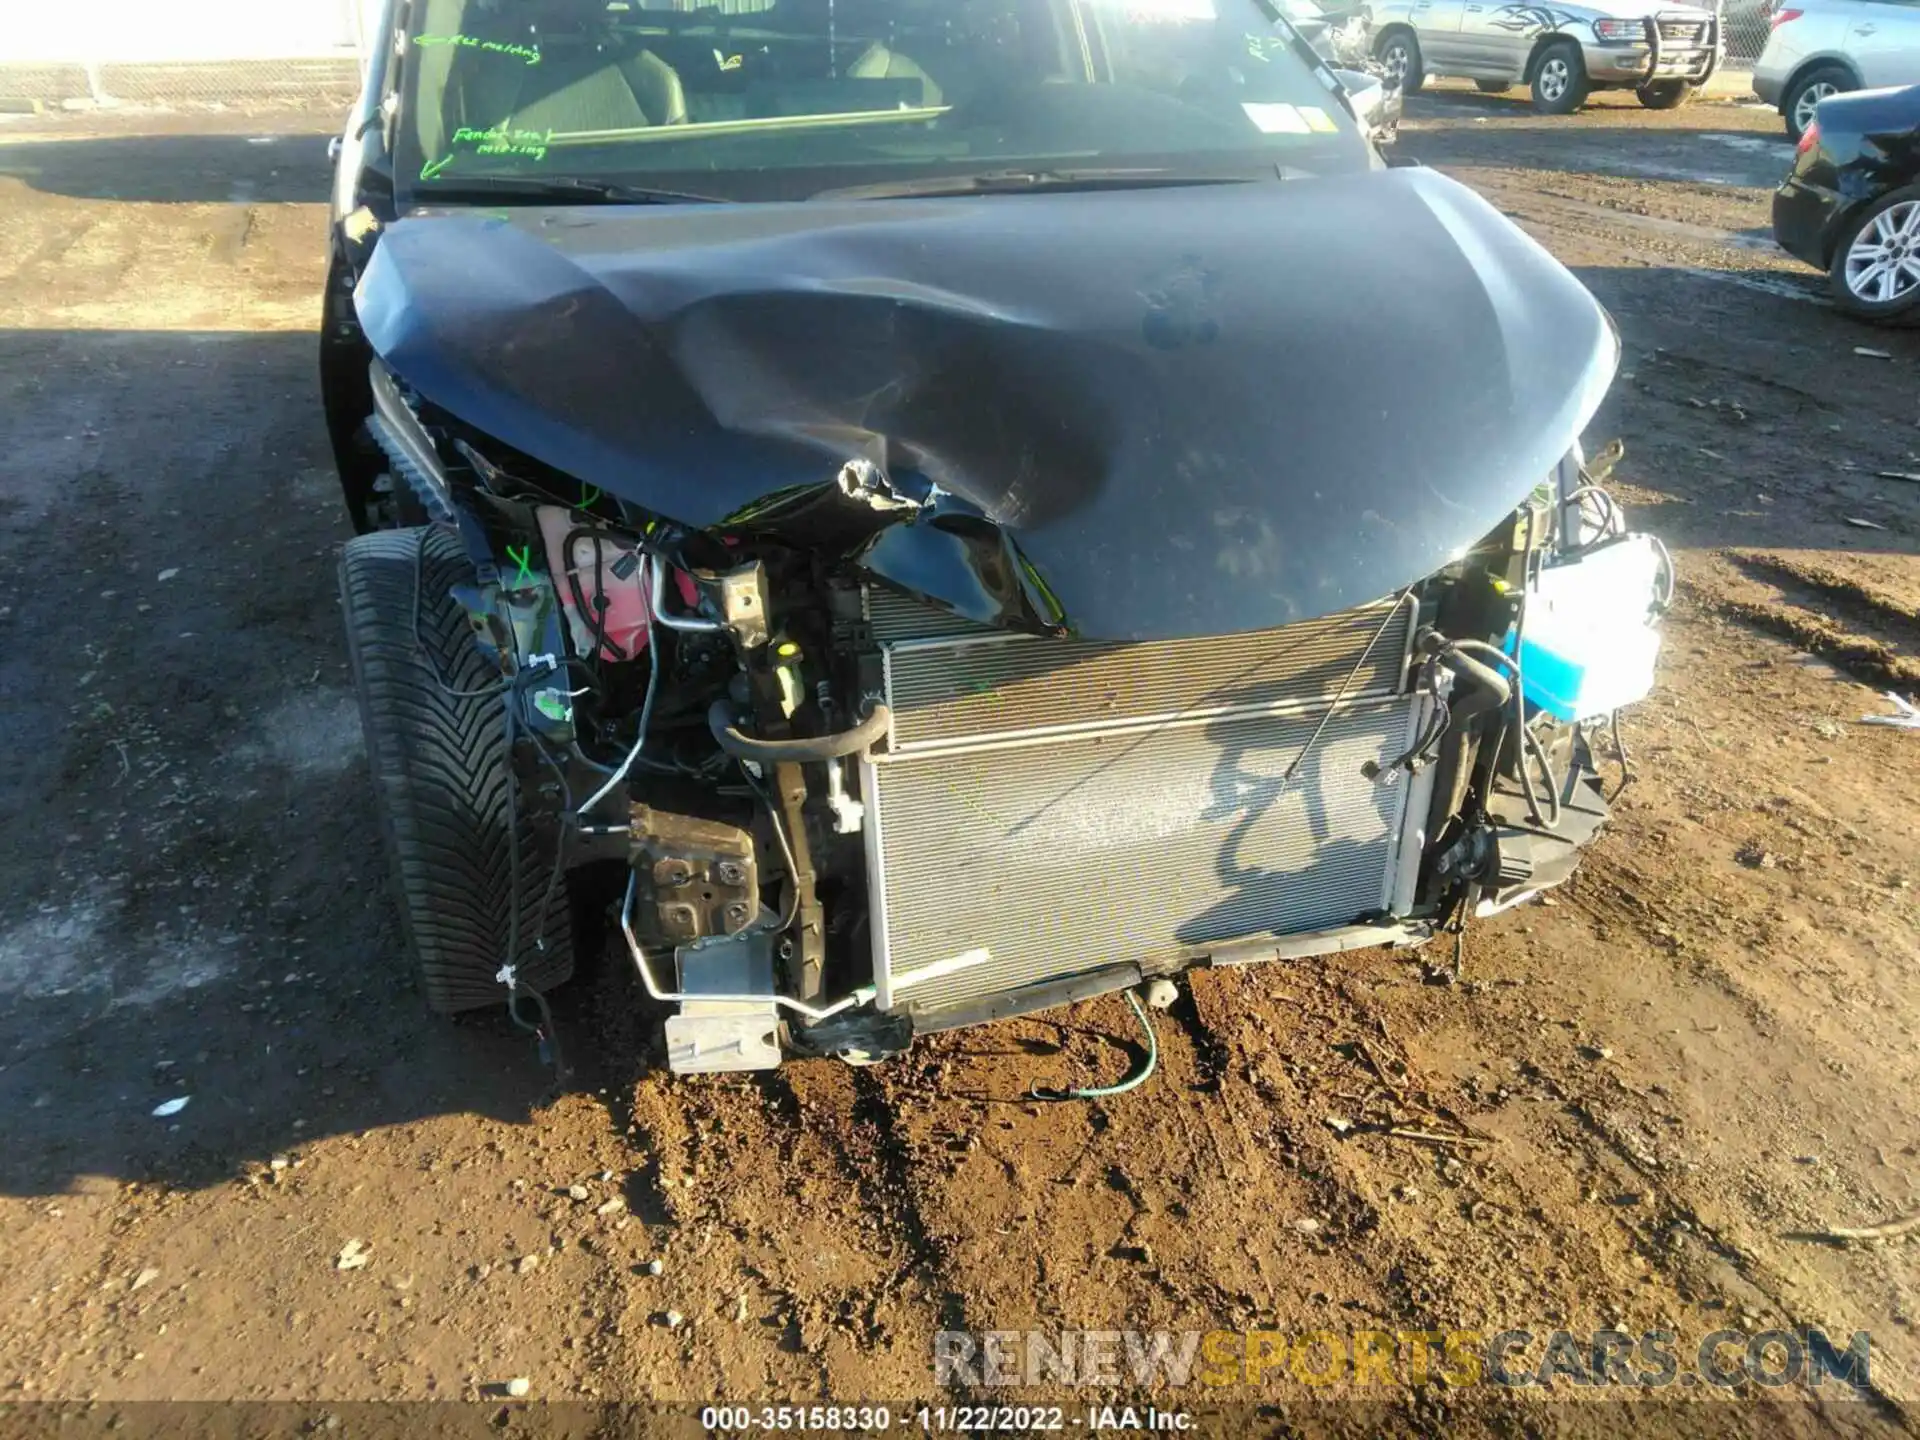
(557, 189)
(1026, 182)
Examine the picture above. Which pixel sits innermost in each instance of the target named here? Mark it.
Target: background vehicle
(1342, 35)
(1563, 52)
(1819, 48)
(916, 597)
(1377, 107)
(1852, 204)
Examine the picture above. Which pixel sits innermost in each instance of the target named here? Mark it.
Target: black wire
(1529, 738)
(1345, 685)
(592, 676)
(1455, 925)
(786, 849)
(1520, 687)
(433, 665)
(596, 621)
(1437, 724)
(560, 839)
(641, 762)
(588, 761)
(1607, 518)
(545, 1031)
(513, 845)
(1626, 762)
(654, 666)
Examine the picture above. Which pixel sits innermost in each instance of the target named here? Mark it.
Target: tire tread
(440, 775)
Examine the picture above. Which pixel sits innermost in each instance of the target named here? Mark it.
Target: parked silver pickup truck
(1563, 52)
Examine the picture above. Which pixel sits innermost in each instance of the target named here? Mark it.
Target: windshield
(783, 99)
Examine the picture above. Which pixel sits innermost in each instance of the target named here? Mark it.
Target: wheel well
(346, 398)
(1808, 66)
(1830, 241)
(1546, 43)
(1843, 221)
(1387, 31)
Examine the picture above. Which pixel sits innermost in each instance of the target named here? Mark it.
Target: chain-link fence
(315, 81)
(1744, 25)
(182, 52)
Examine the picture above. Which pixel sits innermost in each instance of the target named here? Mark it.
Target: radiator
(1071, 806)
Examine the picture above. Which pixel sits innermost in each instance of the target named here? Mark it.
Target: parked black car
(1852, 204)
(931, 510)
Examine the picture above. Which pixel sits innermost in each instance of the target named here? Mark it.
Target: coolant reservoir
(1592, 629)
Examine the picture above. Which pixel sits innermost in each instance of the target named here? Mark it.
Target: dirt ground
(1688, 1065)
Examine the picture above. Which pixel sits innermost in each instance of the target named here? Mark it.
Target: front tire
(1399, 55)
(1798, 106)
(436, 743)
(1665, 94)
(1876, 264)
(1560, 83)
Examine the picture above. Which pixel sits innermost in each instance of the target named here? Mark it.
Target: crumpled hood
(1183, 411)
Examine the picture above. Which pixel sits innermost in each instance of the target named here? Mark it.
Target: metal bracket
(709, 1036)
(809, 929)
(700, 877)
(743, 603)
(848, 813)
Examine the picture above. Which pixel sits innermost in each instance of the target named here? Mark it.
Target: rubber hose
(742, 746)
(1483, 675)
(1493, 652)
(1531, 741)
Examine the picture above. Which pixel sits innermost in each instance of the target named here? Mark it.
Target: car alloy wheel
(1809, 102)
(1395, 60)
(1883, 263)
(1555, 76)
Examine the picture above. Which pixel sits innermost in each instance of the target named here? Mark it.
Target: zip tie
(1132, 1082)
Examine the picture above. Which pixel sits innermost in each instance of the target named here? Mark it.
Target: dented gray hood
(1153, 413)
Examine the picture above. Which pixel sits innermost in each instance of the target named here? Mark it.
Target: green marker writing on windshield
(530, 54)
(434, 167)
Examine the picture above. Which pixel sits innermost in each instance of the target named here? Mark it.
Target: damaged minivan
(918, 511)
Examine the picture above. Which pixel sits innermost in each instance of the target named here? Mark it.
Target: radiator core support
(1083, 809)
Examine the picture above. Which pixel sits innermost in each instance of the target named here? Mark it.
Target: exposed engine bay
(845, 814)
(903, 613)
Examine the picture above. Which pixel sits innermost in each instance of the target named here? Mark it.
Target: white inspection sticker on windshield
(1276, 119)
(1317, 119)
